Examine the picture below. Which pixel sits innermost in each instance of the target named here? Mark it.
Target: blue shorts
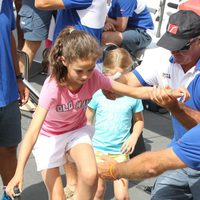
(34, 22)
(135, 39)
(10, 125)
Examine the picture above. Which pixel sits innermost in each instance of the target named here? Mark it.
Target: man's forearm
(112, 21)
(187, 116)
(149, 164)
(49, 4)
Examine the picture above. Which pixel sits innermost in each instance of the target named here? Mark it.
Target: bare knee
(104, 38)
(90, 176)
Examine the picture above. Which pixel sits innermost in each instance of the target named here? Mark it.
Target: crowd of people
(81, 82)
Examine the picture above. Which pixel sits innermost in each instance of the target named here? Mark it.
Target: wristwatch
(20, 77)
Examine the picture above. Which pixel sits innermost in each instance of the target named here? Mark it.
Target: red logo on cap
(172, 28)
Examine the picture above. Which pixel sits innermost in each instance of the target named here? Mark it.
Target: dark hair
(107, 48)
(72, 45)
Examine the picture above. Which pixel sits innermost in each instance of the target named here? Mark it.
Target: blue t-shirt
(87, 15)
(188, 148)
(136, 11)
(113, 121)
(8, 84)
(193, 102)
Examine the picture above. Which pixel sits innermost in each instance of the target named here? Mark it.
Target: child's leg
(71, 177)
(100, 190)
(121, 189)
(84, 158)
(53, 182)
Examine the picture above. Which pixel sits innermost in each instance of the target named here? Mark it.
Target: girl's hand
(109, 95)
(129, 145)
(15, 181)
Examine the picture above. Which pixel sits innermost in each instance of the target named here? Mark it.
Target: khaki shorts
(117, 157)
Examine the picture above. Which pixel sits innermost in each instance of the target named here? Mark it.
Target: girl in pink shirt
(59, 122)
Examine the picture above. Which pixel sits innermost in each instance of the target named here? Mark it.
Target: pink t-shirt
(66, 110)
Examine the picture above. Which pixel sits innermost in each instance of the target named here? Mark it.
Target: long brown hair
(72, 45)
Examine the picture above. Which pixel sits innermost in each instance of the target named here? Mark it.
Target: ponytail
(59, 71)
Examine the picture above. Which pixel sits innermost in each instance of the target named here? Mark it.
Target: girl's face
(80, 71)
(114, 74)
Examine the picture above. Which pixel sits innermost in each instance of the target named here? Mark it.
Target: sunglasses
(187, 46)
(117, 75)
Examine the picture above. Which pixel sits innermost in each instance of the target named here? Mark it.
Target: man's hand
(109, 27)
(23, 92)
(105, 169)
(109, 95)
(167, 98)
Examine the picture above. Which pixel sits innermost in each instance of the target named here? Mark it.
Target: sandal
(68, 192)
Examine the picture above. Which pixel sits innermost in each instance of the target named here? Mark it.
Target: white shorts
(49, 150)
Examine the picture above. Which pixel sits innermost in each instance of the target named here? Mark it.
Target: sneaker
(29, 106)
(68, 192)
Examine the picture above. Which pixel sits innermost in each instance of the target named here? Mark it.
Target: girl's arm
(26, 148)
(145, 92)
(90, 113)
(138, 125)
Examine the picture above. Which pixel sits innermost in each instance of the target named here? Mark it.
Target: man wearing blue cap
(182, 38)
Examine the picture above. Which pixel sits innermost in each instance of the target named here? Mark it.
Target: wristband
(20, 77)
(112, 175)
(111, 171)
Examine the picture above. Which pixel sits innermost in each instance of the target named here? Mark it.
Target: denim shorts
(34, 22)
(135, 39)
(181, 184)
(10, 125)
